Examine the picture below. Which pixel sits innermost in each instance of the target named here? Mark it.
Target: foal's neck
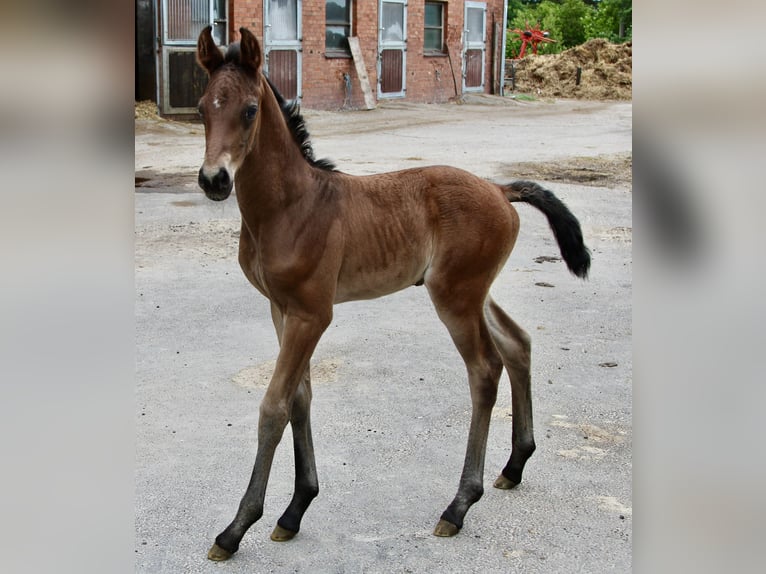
(274, 172)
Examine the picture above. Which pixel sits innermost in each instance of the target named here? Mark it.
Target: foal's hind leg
(469, 331)
(513, 343)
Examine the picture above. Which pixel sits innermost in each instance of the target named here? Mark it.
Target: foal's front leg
(306, 481)
(299, 337)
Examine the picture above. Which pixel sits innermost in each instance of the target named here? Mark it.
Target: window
(433, 37)
(338, 26)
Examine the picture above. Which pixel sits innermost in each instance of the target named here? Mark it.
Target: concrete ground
(391, 405)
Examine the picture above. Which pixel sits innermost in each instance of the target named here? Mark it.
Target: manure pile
(606, 72)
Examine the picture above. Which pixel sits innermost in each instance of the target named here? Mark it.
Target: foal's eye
(250, 112)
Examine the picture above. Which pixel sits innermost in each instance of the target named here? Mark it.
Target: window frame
(442, 12)
(335, 52)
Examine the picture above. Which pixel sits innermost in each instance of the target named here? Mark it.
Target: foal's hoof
(282, 534)
(218, 554)
(504, 483)
(445, 529)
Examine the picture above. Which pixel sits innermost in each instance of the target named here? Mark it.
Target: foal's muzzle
(217, 187)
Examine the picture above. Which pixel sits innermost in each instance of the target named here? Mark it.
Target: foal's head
(229, 109)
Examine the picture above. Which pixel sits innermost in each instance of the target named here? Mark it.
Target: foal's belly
(361, 280)
(372, 287)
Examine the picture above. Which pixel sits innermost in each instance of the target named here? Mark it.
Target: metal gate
(392, 49)
(282, 45)
(182, 81)
(474, 46)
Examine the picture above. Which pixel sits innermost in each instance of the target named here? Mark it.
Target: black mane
(292, 114)
(297, 125)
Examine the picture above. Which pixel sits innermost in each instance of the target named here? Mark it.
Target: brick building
(418, 50)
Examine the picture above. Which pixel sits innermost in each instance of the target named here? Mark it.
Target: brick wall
(247, 13)
(430, 79)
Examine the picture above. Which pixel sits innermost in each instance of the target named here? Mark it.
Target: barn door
(182, 81)
(282, 45)
(474, 46)
(392, 48)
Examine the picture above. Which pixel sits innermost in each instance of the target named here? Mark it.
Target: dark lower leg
(523, 436)
(298, 335)
(514, 346)
(306, 482)
(523, 439)
(471, 488)
(270, 430)
(468, 328)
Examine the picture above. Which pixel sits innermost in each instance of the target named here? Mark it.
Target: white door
(474, 46)
(283, 45)
(392, 49)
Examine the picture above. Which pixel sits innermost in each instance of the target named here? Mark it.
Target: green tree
(570, 20)
(514, 6)
(613, 20)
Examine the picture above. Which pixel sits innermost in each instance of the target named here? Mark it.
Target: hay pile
(146, 110)
(607, 72)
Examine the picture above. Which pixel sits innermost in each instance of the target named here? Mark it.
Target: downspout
(502, 48)
(156, 48)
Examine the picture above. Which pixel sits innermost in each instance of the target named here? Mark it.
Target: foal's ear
(250, 51)
(208, 54)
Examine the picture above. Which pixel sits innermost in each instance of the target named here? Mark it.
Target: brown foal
(312, 237)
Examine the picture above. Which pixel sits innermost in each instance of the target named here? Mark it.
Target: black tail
(564, 225)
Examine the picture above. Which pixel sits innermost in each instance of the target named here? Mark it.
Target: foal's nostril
(221, 181)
